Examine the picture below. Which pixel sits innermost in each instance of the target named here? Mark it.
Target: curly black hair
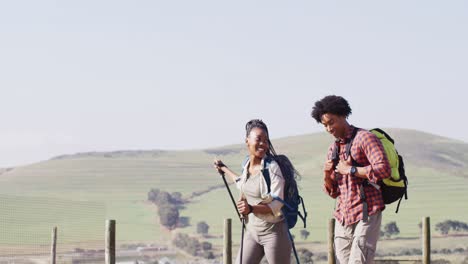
(331, 104)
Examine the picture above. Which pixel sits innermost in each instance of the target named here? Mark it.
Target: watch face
(353, 170)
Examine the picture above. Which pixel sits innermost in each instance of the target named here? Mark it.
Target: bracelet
(250, 208)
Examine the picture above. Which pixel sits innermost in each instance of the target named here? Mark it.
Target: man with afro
(352, 179)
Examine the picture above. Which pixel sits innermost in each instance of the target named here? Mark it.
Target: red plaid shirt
(366, 150)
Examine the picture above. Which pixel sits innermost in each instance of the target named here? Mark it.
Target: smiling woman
(266, 227)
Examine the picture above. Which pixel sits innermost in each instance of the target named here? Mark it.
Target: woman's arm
(276, 189)
(244, 208)
(221, 168)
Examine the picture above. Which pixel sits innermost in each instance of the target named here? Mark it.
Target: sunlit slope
(119, 183)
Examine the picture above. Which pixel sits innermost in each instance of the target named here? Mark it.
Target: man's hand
(328, 172)
(344, 166)
(328, 167)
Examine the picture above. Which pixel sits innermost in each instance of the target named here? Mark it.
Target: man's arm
(379, 167)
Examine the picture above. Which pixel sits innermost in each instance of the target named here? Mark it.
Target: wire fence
(26, 225)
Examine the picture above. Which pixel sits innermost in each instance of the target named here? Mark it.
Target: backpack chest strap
(337, 149)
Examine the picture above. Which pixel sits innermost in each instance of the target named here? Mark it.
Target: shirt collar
(246, 165)
(348, 135)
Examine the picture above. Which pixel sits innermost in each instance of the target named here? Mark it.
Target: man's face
(334, 124)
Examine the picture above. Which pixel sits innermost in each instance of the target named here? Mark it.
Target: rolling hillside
(78, 192)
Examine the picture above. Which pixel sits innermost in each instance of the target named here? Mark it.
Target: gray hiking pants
(275, 246)
(357, 243)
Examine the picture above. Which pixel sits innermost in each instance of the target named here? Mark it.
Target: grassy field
(429, 196)
(78, 192)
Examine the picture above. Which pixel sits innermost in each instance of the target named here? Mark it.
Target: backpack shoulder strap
(362, 193)
(385, 134)
(336, 154)
(349, 144)
(266, 172)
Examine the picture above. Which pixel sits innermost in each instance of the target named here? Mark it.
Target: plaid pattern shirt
(368, 151)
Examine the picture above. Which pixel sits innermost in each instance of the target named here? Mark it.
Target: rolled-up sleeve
(379, 167)
(277, 188)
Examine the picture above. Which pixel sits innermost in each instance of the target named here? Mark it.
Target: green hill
(78, 192)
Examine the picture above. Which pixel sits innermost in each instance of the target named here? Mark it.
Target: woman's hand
(219, 165)
(243, 207)
(223, 169)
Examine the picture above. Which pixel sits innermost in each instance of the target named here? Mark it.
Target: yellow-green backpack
(394, 187)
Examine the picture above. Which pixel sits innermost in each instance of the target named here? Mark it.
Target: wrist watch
(353, 170)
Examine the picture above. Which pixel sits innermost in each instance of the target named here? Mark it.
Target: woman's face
(257, 142)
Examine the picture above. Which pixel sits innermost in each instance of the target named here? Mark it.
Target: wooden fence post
(331, 238)
(110, 242)
(53, 249)
(426, 240)
(227, 249)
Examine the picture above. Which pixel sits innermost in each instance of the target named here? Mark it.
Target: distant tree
(458, 226)
(208, 255)
(153, 195)
(176, 198)
(305, 256)
(168, 216)
(451, 225)
(443, 228)
(206, 246)
(163, 198)
(391, 229)
(180, 240)
(202, 228)
(305, 234)
(187, 243)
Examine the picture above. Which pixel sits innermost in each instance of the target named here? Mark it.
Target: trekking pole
(294, 248)
(230, 194)
(242, 239)
(241, 217)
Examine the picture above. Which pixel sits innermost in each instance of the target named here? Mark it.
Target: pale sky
(80, 76)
